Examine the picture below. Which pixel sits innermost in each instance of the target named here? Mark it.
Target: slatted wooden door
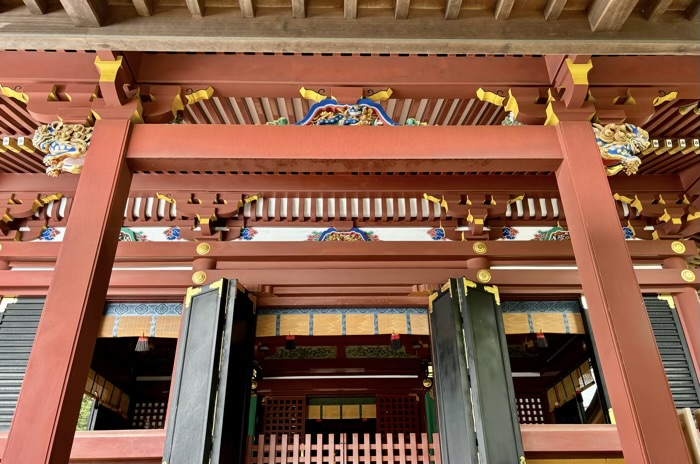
(211, 390)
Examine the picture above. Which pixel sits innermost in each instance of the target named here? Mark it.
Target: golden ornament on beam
(427, 383)
(688, 275)
(199, 277)
(203, 249)
(484, 276)
(678, 247)
(479, 248)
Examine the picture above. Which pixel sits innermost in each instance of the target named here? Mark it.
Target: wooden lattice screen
(531, 408)
(284, 415)
(348, 448)
(398, 414)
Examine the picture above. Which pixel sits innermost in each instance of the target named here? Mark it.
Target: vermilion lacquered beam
(363, 252)
(517, 184)
(647, 421)
(36, 282)
(143, 446)
(344, 149)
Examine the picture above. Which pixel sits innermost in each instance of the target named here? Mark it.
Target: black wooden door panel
(477, 416)
(211, 388)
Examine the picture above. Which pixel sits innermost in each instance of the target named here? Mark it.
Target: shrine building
(349, 232)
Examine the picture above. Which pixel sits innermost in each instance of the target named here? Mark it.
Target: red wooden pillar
(47, 412)
(643, 407)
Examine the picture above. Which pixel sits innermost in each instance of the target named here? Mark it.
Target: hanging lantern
(541, 341)
(142, 344)
(290, 343)
(395, 341)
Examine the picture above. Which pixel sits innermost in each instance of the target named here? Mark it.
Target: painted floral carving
(509, 233)
(248, 233)
(50, 233)
(172, 233)
(352, 235)
(437, 233)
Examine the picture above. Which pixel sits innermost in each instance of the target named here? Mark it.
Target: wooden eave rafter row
(326, 30)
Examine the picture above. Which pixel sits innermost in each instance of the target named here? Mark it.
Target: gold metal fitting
(427, 383)
(688, 275)
(203, 249)
(678, 247)
(483, 276)
(199, 277)
(479, 248)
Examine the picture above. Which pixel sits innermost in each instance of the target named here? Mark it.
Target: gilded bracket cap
(479, 248)
(688, 275)
(199, 277)
(484, 276)
(203, 249)
(678, 247)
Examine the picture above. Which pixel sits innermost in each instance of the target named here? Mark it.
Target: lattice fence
(345, 449)
(284, 415)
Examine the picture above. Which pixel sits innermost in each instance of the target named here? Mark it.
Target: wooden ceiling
(354, 26)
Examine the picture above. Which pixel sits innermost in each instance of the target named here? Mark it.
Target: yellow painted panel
(392, 323)
(266, 326)
(313, 412)
(551, 398)
(167, 326)
(330, 411)
(351, 411)
(569, 387)
(359, 324)
(419, 324)
(134, 326)
(575, 323)
(369, 411)
(615, 461)
(516, 323)
(548, 322)
(328, 324)
(106, 327)
(296, 324)
(561, 394)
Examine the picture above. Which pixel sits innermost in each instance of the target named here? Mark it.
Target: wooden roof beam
(452, 8)
(143, 7)
(553, 9)
(196, 7)
(503, 8)
(86, 13)
(298, 9)
(610, 15)
(401, 9)
(655, 8)
(247, 8)
(350, 9)
(693, 10)
(36, 6)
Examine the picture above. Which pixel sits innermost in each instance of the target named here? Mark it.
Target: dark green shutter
(477, 418)
(211, 390)
(673, 348)
(18, 324)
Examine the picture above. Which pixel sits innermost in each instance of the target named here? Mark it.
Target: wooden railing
(344, 449)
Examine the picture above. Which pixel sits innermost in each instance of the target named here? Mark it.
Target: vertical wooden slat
(284, 449)
(413, 448)
(273, 450)
(354, 449)
(318, 447)
(425, 449)
(390, 447)
(261, 450)
(295, 449)
(332, 455)
(307, 449)
(251, 449)
(435, 446)
(402, 449)
(366, 449)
